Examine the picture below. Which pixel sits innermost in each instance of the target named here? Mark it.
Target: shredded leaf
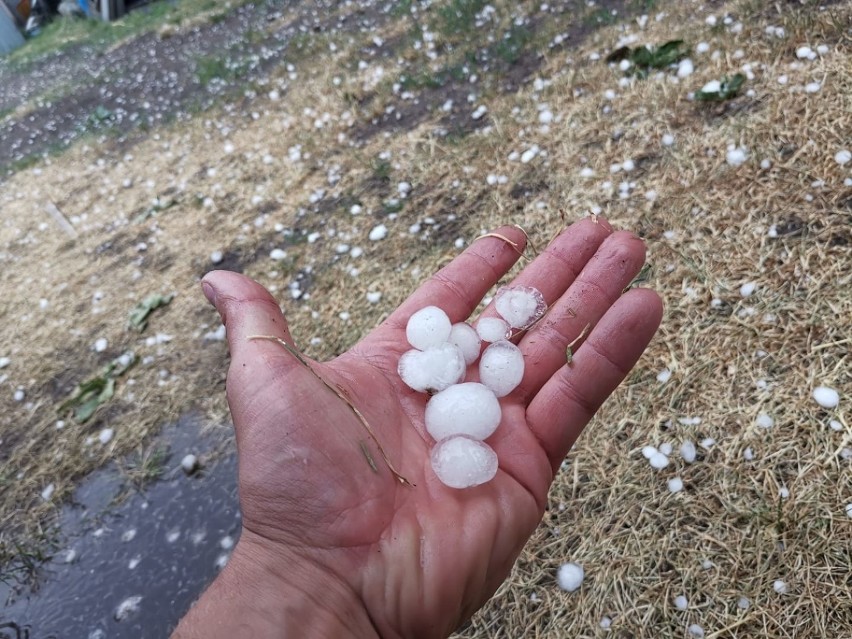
(140, 313)
(728, 88)
(96, 391)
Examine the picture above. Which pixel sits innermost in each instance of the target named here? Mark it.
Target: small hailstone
(479, 112)
(127, 607)
(546, 116)
(501, 367)
(736, 156)
(813, 87)
(105, 436)
(492, 329)
(680, 602)
(226, 542)
(373, 297)
(463, 409)
(47, 493)
(666, 448)
(128, 535)
(675, 484)
(748, 454)
(649, 451)
(685, 68)
(696, 631)
(835, 425)
(668, 139)
(570, 576)
(70, 556)
(520, 306)
(429, 326)
(805, 53)
(784, 492)
(131, 565)
(19, 395)
(216, 257)
(743, 603)
(707, 443)
(465, 338)
(189, 463)
(101, 344)
(779, 586)
(432, 369)
(403, 188)
(222, 560)
(826, 397)
(4, 362)
(664, 375)
(764, 420)
(587, 172)
(687, 451)
(747, 289)
(707, 564)
(843, 157)
(606, 622)
(378, 232)
(702, 47)
(849, 510)
(463, 462)
(658, 461)
(711, 87)
(278, 254)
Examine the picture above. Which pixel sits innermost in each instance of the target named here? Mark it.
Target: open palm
(314, 488)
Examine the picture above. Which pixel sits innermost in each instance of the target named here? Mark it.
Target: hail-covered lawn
(711, 497)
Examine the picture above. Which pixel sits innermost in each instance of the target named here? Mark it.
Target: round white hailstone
(47, 493)
(736, 156)
(429, 326)
(812, 87)
(748, 454)
(664, 375)
(355, 209)
(216, 257)
(4, 362)
(520, 306)
(687, 451)
(681, 603)
(127, 607)
(546, 116)
(462, 462)
(784, 492)
(105, 436)
(747, 289)
(648, 452)
(570, 576)
(711, 87)
(226, 542)
(101, 344)
(849, 510)
(843, 156)
(463, 409)
(805, 53)
(666, 448)
(378, 232)
(606, 622)
(764, 421)
(432, 370)
(501, 367)
(826, 397)
(374, 297)
(743, 603)
(685, 68)
(465, 338)
(779, 586)
(668, 139)
(696, 631)
(19, 395)
(492, 329)
(403, 188)
(835, 425)
(189, 463)
(658, 461)
(675, 484)
(278, 254)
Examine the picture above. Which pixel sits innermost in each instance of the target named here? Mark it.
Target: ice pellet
(687, 451)
(465, 338)
(520, 306)
(501, 367)
(570, 576)
(464, 409)
(429, 326)
(433, 369)
(462, 462)
(681, 603)
(826, 397)
(492, 329)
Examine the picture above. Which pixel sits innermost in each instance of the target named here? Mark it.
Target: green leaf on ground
(98, 390)
(721, 90)
(645, 58)
(140, 314)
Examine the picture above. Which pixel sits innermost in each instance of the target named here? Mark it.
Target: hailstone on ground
(462, 462)
(826, 397)
(429, 326)
(501, 367)
(463, 409)
(433, 369)
(520, 306)
(570, 576)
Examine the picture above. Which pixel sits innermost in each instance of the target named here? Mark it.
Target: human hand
(333, 544)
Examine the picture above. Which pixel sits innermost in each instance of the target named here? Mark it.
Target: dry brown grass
(731, 357)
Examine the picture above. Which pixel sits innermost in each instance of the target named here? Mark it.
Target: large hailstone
(462, 462)
(429, 326)
(570, 576)
(520, 306)
(464, 336)
(463, 409)
(492, 329)
(433, 369)
(501, 367)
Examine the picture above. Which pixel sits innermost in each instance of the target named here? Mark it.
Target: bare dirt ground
(490, 114)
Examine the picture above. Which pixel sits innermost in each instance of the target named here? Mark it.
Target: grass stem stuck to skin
(514, 245)
(339, 392)
(569, 352)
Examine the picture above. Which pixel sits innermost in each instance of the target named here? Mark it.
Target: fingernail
(209, 292)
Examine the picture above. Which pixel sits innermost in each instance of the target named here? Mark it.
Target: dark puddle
(132, 569)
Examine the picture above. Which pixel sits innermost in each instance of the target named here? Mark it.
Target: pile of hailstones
(461, 415)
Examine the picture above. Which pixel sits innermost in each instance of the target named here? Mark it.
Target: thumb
(247, 309)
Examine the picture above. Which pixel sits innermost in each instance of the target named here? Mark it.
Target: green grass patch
(457, 17)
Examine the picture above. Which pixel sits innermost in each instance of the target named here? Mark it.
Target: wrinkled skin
(421, 558)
